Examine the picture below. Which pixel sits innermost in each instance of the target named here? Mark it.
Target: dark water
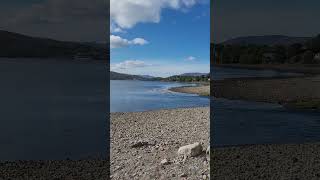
(242, 122)
(52, 110)
(130, 96)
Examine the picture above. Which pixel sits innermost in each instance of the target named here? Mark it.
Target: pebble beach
(144, 145)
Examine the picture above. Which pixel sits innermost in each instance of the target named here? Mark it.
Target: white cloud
(115, 29)
(128, 65)
(191, 58)
(127, 13)
(139, 41)
(119, 42)
(159, 69)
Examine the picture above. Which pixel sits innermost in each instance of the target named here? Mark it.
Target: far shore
(294, 92)
(307, 69)
(301, 92)
(201, 90)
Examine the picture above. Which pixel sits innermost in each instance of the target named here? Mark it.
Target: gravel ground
(56, 170)
(286, 161)
(160, 134)
(203, 90)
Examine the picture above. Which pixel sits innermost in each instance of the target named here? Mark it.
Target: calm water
(130, 96)
(52, 110)
(243, 122)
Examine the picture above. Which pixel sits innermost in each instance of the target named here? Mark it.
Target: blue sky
(178, 41)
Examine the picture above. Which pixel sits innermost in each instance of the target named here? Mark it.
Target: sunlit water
(130, 96)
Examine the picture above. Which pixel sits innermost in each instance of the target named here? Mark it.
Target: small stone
(165, 162)
(117, 168)
(183, 175)
(190, 150)
(139, 144)
(204, 177)
(205, 163)
(208, 150)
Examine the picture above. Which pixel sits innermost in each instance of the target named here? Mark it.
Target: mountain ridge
(15, 45)
(266, 40)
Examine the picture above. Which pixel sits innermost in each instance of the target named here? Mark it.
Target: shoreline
(269, 161)
(201, 90)
(306, 69)
(141, 141)
(287, 91)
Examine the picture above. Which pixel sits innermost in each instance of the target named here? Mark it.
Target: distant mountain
(266, 40)
(147, 76)
(194, 74)
(14, 45)
(121, 76)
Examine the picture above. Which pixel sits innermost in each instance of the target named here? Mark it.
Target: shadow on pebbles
(276, 161)
(163, 144)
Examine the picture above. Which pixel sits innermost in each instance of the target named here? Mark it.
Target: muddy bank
(285, 91)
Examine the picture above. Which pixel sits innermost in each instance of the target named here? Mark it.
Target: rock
(138, 144)
(208, 150)
(190, 150)
(165, 162)
(183, 175)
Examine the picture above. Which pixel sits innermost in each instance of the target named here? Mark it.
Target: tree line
(303, 53)
(203, 78)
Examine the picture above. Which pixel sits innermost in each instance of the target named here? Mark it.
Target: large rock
(190, 150)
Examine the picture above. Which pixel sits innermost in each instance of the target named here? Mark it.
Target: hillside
(266, 40)
(194, 74)
(14, 45)
(268, 50)
(189, 77)
(121, 76)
